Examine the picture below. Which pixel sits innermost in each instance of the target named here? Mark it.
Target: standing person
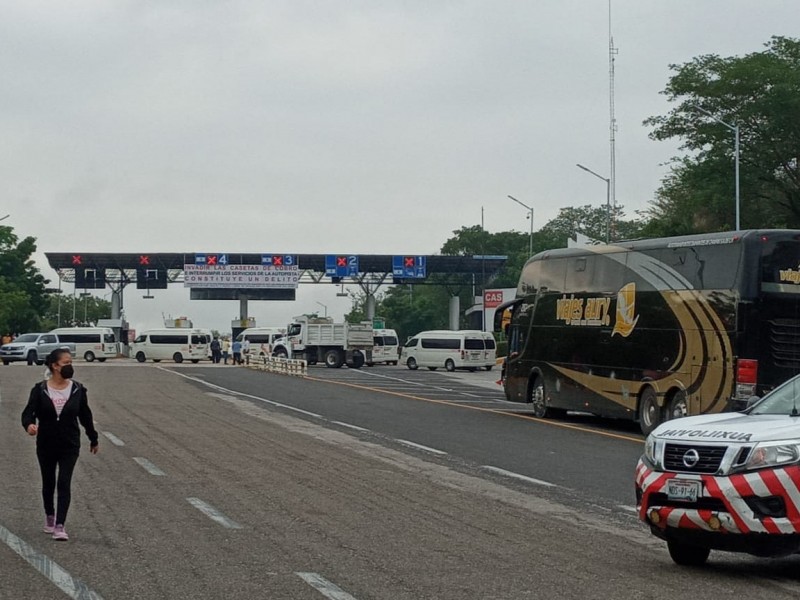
(246, 350)
(237, 352)
(54, 408)
(226, 349)
(216, 351)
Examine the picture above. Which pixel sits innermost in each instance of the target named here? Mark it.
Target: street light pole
(325, 307)
(608, 199)
(530, 216)
(735, 130)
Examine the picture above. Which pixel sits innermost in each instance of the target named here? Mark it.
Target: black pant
(65, 462)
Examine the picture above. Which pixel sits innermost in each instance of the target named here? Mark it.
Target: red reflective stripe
(741, 485)
(715, 492)
(770, 526)
(776, 488)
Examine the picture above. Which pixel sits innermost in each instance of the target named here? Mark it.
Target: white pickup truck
(32, 348)
(728, 481)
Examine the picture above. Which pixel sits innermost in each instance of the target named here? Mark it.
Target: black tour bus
(654, 329)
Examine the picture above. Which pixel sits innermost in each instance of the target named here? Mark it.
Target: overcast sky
(295, 126)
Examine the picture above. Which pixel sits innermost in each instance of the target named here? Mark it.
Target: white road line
(325, 587)
(114, 439)
(627, 508)
(305, 412)
(213, 514)
(149, 467)
(349, 426)
(58, 576)
(518, 476)
(420, 447)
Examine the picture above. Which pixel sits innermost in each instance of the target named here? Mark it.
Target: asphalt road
(224, 482)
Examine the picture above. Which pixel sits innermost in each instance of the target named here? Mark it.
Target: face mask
(67, 371)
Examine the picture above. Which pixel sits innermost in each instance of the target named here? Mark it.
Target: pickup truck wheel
(450, 365)
(89, 356)
(650, 415)
(687, 555)
(333, 359)
(40, 362)
(177, 357)
(412, 364)
(432, 368)
(31, 358)
(197, 360)
(140, 357)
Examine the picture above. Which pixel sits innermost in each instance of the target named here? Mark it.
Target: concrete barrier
(284, 366)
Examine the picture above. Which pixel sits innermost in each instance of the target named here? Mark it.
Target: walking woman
(54, 408)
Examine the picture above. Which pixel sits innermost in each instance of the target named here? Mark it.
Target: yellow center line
(495, 411)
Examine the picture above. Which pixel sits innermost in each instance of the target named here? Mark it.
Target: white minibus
(175, 344)
(385, 347)
(449, 349)
(261, 339)
(90, 342)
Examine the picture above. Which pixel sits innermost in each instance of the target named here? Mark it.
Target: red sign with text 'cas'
(492, 298)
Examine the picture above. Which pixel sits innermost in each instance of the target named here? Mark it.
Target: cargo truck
(319, 339)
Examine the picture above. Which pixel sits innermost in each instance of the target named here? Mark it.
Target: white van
(261, 339)
(385, 347)
(452, 350)
(176, 344)
(90, 342)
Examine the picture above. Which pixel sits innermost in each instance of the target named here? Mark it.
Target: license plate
(685, 490)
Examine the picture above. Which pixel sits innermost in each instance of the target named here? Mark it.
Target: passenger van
(385, 348)
(261, 339)
(175, 344)
(466, 349)
(90, 342)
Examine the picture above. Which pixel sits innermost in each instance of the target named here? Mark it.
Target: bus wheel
(537, 399)
(687, 555)
(412, 364)
(140, 357)
(649, 411)
(678, 406)
(177, 357)
(450, 365)
(89, 356)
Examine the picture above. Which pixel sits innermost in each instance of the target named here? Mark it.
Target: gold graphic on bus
(586, 312)
(626, 308)
(790, 275)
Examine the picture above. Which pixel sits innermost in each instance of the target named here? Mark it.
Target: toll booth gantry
(249, 276)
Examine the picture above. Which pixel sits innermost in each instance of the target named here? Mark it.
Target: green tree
(22, 287)
(66, 311)
(590, 221)
(759, 92)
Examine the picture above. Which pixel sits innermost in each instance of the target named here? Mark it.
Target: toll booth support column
(370, 307)
(116, 303)
(455, 310)
(243, 308)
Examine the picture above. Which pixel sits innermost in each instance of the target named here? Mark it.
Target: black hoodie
(59, 433)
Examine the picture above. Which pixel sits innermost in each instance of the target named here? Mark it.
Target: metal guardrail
(284, 366)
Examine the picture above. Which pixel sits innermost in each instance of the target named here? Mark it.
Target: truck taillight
(746, 370)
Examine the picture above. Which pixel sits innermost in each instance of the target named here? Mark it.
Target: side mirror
(752, 400)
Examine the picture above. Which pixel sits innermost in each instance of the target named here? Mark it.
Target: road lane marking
(114, 439)
(58, 576)
(496, 411)
(149, 467)
(325, 587)
(420, 447)
(507, 412)
(632, 509)
(305, 412)
(213, 514)
(350, 426)
(518, 476)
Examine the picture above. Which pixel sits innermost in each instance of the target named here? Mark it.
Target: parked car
(33, 348)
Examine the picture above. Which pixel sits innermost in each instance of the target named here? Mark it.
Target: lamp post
(608, 199)
(735, 130)
(4, 218)
(530, 216)
(325, 307)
